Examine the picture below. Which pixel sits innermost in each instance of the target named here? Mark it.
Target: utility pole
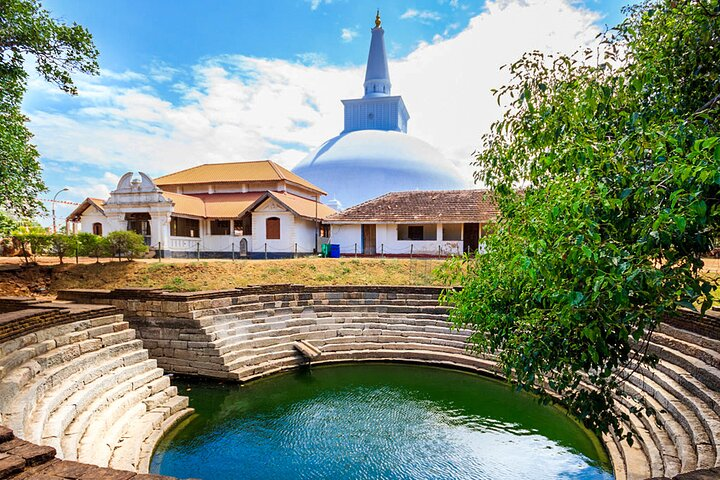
(53, 207)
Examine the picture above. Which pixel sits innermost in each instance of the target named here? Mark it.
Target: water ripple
(376, 422)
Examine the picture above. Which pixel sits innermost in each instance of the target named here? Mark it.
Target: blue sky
(190, 82)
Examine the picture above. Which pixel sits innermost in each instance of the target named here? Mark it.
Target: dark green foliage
(33, 241)
(125, 244)
(27, 30)
(618, 154)
(90, 245)
(8, 224)
(61, 245)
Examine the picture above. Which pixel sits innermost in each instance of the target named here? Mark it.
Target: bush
(61, 245)
(91, 245)
(7, 224)
(125, 244)
(33, 241)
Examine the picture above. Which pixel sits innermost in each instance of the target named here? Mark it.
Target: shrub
(61, 245)
(91, 245)
(33, 241)
(126, 244)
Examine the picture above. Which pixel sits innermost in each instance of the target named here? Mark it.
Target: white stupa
(374, 154)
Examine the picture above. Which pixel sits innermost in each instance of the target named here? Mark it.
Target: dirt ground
(48, 276)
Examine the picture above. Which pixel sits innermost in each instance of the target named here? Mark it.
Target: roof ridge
(207, 164)
(274, 167)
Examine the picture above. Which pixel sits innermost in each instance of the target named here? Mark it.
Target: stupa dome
(374, 154)
(359, 165)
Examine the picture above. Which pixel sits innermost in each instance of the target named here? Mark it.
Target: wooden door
(368, 239)
(471, 237)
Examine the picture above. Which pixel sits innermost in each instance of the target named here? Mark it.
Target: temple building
(245, 209)
(431, 223)
(374, 154)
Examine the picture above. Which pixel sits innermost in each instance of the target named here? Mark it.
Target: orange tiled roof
(302, 206)
(257, 171)
(80, 209)
(437, 206)
(186, 204)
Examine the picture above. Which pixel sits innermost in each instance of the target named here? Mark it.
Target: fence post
(439, 252)
(411, 250)
(159, 252)
(233, 251)
(295, 250)
(198, 251)
(265, 251)
(355, 249)
(77, 247)
(382, 250)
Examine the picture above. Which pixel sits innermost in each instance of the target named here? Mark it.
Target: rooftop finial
(377, 19)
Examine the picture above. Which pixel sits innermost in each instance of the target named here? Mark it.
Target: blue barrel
(334, 250)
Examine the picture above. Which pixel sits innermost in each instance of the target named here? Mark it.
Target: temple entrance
(140, 224)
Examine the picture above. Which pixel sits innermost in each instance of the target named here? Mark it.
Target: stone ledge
(21, 460)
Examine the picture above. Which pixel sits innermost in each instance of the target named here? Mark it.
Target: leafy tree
(617, 153)
(61, 245)
(126, 244)
(33, 241)
(59, 50)
(91, 245)
(7, 224)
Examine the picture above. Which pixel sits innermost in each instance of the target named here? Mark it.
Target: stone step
(700, 370)
(148, 446)
(73, 395)
(250, 359)
(677, 448)
(316, 332)
(674, 378)
(662, 389)
(114, 338)
(213, 325)
(616, 458)
(61, 422)
(706, 355)
(447, 359)
(222, 337)
(689, 337)
(294, 304)
(644, 437)
(126, 454)
(635, 461)
(326, 339)
(35, 380)
(104, 409)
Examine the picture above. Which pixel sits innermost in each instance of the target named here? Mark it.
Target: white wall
(346, 236)
(286, 243)
(386, 241)
(90, 216)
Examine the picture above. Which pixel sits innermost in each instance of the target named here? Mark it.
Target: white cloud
(422, 15)
(314, 4)
(348, 34)
(235, 108)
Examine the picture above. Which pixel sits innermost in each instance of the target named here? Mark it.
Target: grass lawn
(46, 279)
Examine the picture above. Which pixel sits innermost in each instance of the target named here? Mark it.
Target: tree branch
(711, 103)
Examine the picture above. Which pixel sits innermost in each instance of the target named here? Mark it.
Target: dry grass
(46, 280)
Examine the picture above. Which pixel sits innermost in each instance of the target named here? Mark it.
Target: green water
(375, 421)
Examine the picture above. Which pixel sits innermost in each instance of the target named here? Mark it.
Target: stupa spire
(377, 76)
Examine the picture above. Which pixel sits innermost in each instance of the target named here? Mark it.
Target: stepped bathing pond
(374, 421)
(292, 381)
